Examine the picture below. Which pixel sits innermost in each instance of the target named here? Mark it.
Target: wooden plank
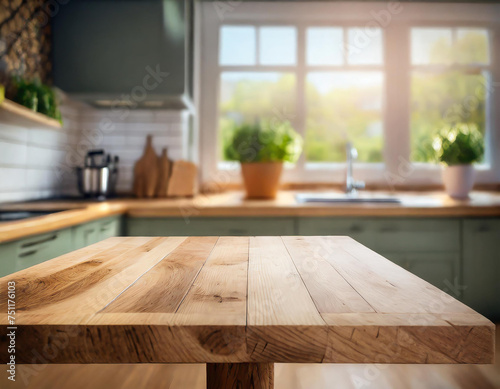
(62, 277)
(329, 290)
(282, 321)
(19, 115)
(163, 287)
(92, 284)
(219, 293)
(387, 287)
(70, 259)
(403, 338)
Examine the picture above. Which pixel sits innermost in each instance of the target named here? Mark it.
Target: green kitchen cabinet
(359, 229)
(85, 235)
(389, 234)
(95, 231)
(481, 266)
(208, 226)
(24, 253)
(21, 254)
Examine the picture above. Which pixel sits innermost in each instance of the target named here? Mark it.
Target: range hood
(132, 53)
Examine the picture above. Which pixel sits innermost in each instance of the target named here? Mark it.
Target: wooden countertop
(238, 300)
(233, 204)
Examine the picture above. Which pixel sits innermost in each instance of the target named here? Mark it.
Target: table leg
(240, 375)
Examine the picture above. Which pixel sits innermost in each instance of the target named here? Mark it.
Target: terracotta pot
(261, 179)
(458, 180)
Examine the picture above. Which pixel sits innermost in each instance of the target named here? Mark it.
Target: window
(343, 80)
(340, 72)
(450, 71)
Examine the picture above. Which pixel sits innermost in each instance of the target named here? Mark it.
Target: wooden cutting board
(182, 182)
(146, 171)
(164, 167)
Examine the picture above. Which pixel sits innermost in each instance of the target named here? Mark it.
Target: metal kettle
(97, 178)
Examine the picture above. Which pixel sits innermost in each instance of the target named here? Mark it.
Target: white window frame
(397, 68)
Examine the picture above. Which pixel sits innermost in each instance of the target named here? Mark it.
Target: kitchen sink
(331, 197)
(9, 216)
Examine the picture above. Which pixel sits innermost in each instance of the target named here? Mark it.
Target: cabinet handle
(356, 228)
(27, 253)
(483, 228)
(237, 231)
(37, 242)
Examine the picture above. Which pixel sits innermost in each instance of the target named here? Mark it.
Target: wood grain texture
(146, 172)
(164, 171)
(387, 287)
(237, 300)
(18, 115)
(182, 182)
(240, 375)
(163, 288)
(329, 290)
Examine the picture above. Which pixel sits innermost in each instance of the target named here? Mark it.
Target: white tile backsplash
(127, 136)
(39, 163)
(13, 154)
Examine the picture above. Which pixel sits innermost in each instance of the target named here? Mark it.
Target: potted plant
(261, 148)
(458, 148)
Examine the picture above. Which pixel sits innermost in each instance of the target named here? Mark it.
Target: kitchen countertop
(233, 204)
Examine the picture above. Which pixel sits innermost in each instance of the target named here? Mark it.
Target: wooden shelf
(18, 115)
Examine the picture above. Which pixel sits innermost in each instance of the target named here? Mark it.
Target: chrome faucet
(351, 185)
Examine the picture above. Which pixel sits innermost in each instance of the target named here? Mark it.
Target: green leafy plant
(461, 144)
(264, 142)
(38, 97)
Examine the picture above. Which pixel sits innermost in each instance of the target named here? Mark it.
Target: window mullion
(397, 103)
(301, 109)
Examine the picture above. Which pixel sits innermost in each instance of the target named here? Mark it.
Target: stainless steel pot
(96, 181)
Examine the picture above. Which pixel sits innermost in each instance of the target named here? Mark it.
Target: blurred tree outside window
(342, 76)
(448, 83)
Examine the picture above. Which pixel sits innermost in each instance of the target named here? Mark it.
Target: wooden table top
(237, 299)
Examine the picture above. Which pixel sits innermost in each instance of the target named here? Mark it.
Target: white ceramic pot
(458, 180)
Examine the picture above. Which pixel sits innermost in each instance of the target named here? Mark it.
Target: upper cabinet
(133, 53)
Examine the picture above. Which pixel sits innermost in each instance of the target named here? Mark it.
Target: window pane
(365, 46)
(324, 46)
(278, 45)
(251, 96)
(344, 106)
(237, 45)
(439, 100)
(431, 46)
(472, 46)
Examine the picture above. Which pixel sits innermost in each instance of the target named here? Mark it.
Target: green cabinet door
(24, 253)
(110, 227)
(85, 235)
(8, 258)
(89, 233)
(389, 234)
(360, 229)
(481, 266)
(209, 226)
